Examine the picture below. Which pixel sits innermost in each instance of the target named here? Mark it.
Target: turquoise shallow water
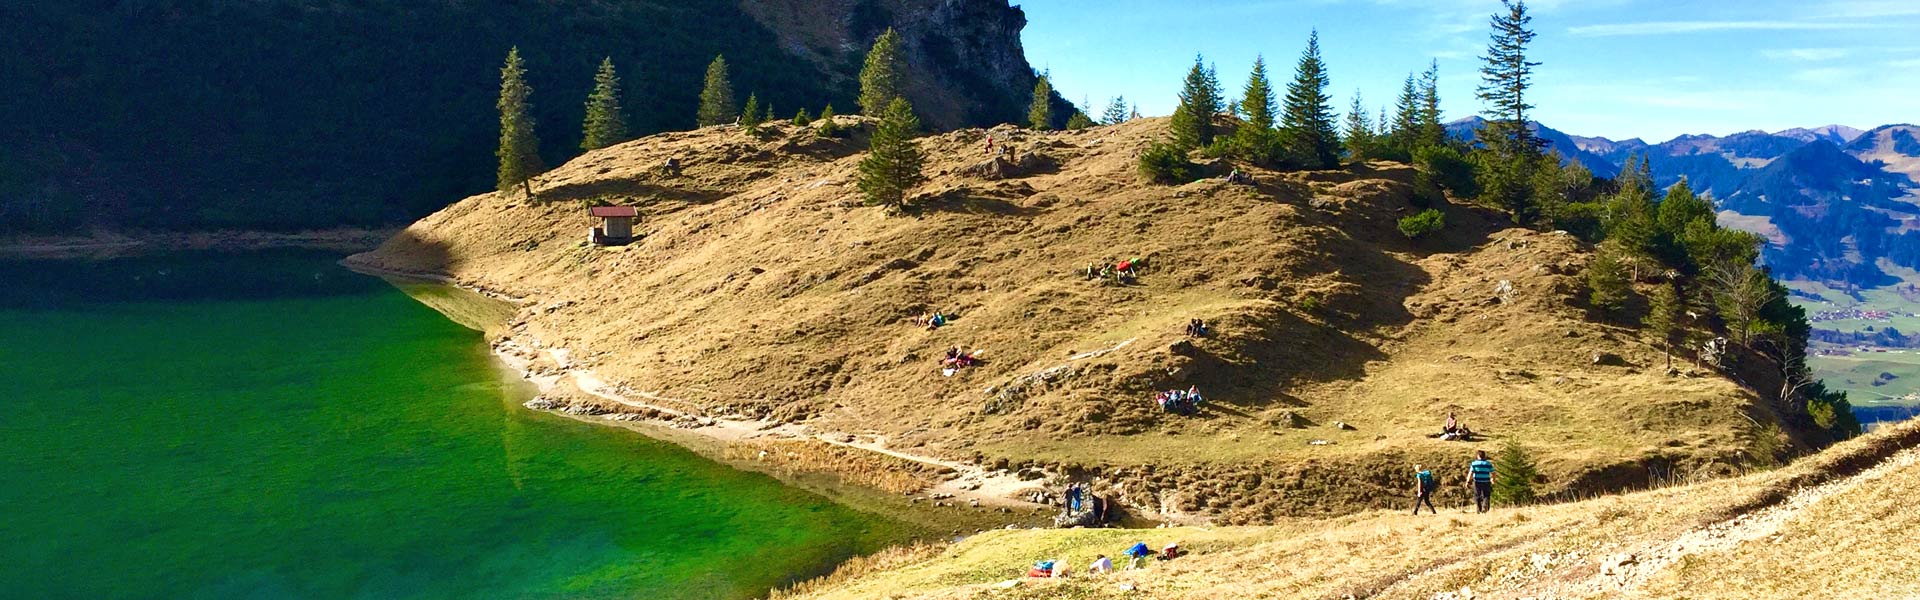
(270, 425)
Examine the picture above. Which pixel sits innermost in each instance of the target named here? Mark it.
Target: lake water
(270, 425)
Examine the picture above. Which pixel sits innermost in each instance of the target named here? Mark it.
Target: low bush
(1167, 163)
(1427, 222)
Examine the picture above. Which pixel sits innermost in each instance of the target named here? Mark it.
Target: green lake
(271, 425)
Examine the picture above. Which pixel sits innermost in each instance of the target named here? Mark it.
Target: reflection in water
(271, 425)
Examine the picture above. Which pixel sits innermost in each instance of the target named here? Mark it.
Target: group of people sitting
(1123, 273)
(1454, 430)
(1137, 556)
(935, 320)
(1185, 402)
(1239, 176)
(957, 359)
(1198, 328)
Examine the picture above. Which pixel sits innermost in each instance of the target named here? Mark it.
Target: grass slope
(1825, 527)
(763, 289)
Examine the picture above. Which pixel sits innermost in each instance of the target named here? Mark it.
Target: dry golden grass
(762, 288)
(852, 465)
(1846, 538)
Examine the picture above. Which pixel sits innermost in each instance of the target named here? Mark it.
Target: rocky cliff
(296, 114)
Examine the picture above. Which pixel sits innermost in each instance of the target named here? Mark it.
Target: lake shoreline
(105, 245)
(972, 498)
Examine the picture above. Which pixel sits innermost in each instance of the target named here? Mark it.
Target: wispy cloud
(1909, 63)
(1868, 9)
(1676, 27)
(1827, 75)
(1807, 54)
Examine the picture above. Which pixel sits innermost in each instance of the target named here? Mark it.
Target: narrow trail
(970, 482)
(1624, 572)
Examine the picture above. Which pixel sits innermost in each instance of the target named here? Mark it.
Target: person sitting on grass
(1101, 565)
(1138, 555)
(1041, 569)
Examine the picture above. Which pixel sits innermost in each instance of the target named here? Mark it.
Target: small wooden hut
(616, 225)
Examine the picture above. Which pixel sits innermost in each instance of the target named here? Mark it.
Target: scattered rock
(1343, 426)
(1608, 359)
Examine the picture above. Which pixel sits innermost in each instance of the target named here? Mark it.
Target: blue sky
(1617, 68)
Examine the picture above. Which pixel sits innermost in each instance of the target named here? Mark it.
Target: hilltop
(764, 296)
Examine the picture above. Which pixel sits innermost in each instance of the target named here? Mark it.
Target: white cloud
(1674, 27)
(1807, 54)
(1909, 63)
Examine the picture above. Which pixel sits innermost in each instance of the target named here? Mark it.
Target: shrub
(1448, 169)
(1517, 474)
(828, 128)
(1164, 162)
(1427, 222)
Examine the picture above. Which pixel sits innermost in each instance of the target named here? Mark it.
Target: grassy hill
(764, 293)
(1827, 527)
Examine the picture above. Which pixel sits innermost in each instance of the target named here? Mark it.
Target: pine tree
(1663, 319)
(1505, 78)
(1040, 111)
(767, 116)
(1192, 122)
(1607, 284)
(1079, 121)
(1517, 474)
(883, 77)
(716, 99)
(1631, 218)
(1257, 103)
(828, 128)
(1432, 131)
(605, 124)
(1359, 134)
(519, 151)
(750, 115)
(1256, 141)
(893, 164)
(1116, 112)
(1307, 121)
(801, 119)
(1404, 133)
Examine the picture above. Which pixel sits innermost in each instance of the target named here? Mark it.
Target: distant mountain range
(1833, 200)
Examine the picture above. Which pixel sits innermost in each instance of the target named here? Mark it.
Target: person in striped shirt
(1480, 472)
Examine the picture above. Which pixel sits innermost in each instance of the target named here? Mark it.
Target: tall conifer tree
(1040, 110)
(1257, 104)
(894, 161)
(716, 99)
(1506, 174)
(750, 114)
(1199, 101)
(606, 123)
(1307, 119)
(1116, 112)
(1505, 77)
(519, 151)
(1360, 139)
(1404, 133)
(1432, 131)
(883, 77)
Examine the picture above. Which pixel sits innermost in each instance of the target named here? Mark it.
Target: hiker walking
(1423, 489)
(1481, 471)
